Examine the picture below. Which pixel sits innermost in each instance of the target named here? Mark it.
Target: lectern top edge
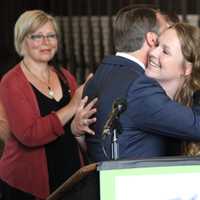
(155, 162)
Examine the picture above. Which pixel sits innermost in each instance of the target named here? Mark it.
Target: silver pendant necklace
(50, 90)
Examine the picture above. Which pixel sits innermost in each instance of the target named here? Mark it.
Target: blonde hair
(29, 22)
(189, 37)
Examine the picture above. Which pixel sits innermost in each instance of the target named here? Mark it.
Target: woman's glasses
(40, 37)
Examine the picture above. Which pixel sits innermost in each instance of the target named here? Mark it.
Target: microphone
(118, 107)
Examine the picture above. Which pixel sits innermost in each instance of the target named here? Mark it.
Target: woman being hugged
(175, 64)
(40, 102)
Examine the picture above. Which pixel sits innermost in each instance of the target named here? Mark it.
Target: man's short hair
(171, 17)
(131, 26)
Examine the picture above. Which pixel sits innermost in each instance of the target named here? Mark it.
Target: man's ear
(151, 39)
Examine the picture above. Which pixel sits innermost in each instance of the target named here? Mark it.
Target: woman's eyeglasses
(40, 37)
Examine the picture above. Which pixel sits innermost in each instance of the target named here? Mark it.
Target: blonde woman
(40, 101)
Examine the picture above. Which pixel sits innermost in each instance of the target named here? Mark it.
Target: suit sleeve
(152, 110)
(25, 122)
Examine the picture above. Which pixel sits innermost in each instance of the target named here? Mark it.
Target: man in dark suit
(135, 33)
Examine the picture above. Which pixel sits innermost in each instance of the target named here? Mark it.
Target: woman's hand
(83, 117)
(67, 112)
(76, 99)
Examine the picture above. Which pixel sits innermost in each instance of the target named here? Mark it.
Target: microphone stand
(115, 131)
(112, 127)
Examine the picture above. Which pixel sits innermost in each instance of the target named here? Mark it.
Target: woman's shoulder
(63, 70)
(12, 75)
(67, 73)
(68, 76)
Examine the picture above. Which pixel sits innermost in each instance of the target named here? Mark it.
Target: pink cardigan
(24, 153)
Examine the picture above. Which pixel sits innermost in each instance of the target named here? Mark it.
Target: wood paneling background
(86, 27)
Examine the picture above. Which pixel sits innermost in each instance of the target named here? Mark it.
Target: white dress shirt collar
(128, 56)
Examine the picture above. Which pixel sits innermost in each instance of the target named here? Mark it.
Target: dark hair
(131, 26)
(171, 17)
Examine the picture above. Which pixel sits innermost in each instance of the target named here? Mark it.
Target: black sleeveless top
(62, 154)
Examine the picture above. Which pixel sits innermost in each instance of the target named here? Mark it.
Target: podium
(153, 179)
(167, 178)
(82, 185)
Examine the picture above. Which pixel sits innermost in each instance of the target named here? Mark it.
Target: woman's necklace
(50, 91)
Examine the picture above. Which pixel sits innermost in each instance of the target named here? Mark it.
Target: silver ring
(86, 122)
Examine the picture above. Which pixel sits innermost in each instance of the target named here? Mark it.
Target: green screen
(108, 177)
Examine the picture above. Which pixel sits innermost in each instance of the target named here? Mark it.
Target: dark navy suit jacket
(150, 120)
